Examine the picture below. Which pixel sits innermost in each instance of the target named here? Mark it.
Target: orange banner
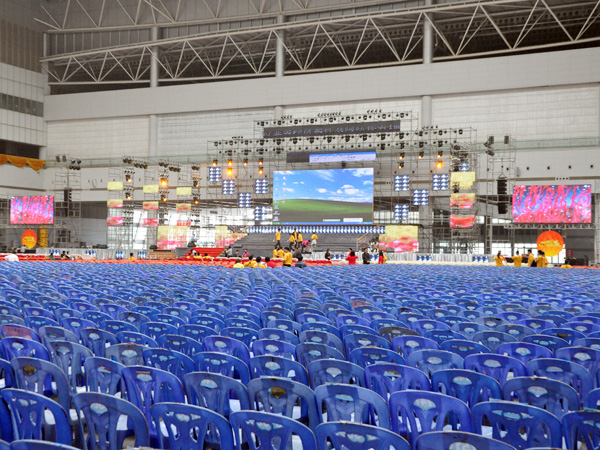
(35, 164)
(550, 242)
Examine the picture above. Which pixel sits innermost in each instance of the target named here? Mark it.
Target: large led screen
(170, 238)
(33, 210)
(462, 221)
(552, 204)
(334, 196)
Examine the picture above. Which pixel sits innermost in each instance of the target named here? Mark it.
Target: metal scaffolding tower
(67, 207)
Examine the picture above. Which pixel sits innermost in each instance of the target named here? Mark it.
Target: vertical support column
(426, 100)
(280, 61)
(153, 119)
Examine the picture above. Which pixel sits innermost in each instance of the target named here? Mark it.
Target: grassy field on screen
(304, 210)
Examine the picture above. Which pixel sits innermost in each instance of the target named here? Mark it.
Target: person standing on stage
(517, 259)
(278, 238)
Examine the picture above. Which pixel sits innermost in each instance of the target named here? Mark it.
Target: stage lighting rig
(421, 154)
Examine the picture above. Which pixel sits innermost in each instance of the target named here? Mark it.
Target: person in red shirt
(269, 262)
(351, 258)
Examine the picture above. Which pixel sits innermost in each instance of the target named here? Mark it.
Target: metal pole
(154, 36)
(426, 100)
(280, 49)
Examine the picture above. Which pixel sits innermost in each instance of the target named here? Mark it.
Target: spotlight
(260, 171)
(401, 165)
(440, 154)
(230, 163)
(401, 155)
(196, 201)
(439, 164)
(163, 198)
(490, 152)
(245, 163)
(195, 183)
(421, 154)
(215, 162)
(57, 158)
(64, 158)
(163, 181)
(260, 162)
(127, 195)
(128, 178)
(229, 171)
(195, 167)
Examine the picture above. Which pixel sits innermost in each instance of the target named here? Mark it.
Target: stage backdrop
(402, 238)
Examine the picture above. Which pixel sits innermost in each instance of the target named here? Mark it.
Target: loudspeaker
(67, 195)
(506, 140)
(502, 195)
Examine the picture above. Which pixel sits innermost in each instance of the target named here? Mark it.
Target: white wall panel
(105, 138)
(535, 114)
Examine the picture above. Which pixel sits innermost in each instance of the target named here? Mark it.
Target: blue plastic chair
(197, 332)
(352, 404)
(496, 366)
(103, 375)
(554, 396)
(227, 345)
(591, 400)
(181, 344)
(157, 329)
(238, 322)
(454, 440)
(405, 345)
(132, 337)
(264, 347)
(581, 428)
(431, 361)
(524, 351)
(464, 348)
(365, 356)
(322, 337)
(587, 357)
(469, 386)
(353, 341)
(509, 419)
(440, 336)
(307, 352)
(55, 333)
(28, 414)
(134, 318)
(573, 374)
(70, 358)
(280, 396)
(19, 331)
(75, 325)
(424, 325)
(34, 322)
(224, 364)
(7, 376)
(552, 343)
(101, 414)
(278, 335)
(536, 324)
(344, 435)
(431, 409)
(169, 360)
(192, 427)
(95, 316)
(207, 321)
(147, 386)
(394, 331)
(566, 334)
(276, 366)
(215, 391)
(97, 340)
(316, 326)
(515, 330)
(493, 339)
(352, 328)
(388, 378)
(589, 342)
(262, 430)
(322, 371)
(13, 347)
(583, 327)
(126, 354)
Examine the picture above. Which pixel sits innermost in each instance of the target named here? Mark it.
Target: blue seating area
(102, 356)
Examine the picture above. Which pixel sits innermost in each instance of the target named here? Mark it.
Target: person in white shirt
(11, 257)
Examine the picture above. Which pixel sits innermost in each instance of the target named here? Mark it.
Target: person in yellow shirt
(250, 263)
(499, 259)
(299, 240)
(280, 253)
(542, 261)
(259, 263)
(275, 252)
(131, 257)
(530, 258)
(292, 240)
(287, 258)
(238, 264)
(278, 238)
(517, 259)
(313, 241)
(207, 257)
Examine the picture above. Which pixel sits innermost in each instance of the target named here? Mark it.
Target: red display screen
(462, 221)
(552, 204)
(33, 210)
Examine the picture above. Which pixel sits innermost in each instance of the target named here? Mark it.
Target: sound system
(502, 184)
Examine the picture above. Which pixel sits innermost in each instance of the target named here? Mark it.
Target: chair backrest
(573, 374)
(469, 329)
(280, 396)
(431, 410)
(215, 391)
(276, 366)
(469, 386)
(102, 413)
(322, 371)
(451, 440)
(76, 324)
(431, 361)
(508, 420)
(524, 351)
(190, 427)
(365, 356)
(464, 348)
(197, 332)
(55, 333)
(41, 377)
(496, 366)
(126, 354)
(493, 339)
(7, 374)
(260, 430)
(272, 347)
(227, 345)
(566, 334)
(552, 343)
(14, 347)
(20, 331)
(156, 329)
(581, 429)
(70, 358)
(386, 379)
(147, 386)
(103, 375)
(224, 364)
(307, 352)
(440, 336)
(169, 360)
(345, 435)
(405, 345)
(28, 415)
(322, 337)
(97, 340)
(352, 341)
(133, 317)
(278, 335)
(133, 337)
(554, 396)
(587, 357)
(353, 404)
(182, 344)
(245, 335)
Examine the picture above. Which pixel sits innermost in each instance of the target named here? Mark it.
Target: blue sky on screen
(344, 185)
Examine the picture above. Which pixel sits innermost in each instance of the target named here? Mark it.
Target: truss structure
(118, 48)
